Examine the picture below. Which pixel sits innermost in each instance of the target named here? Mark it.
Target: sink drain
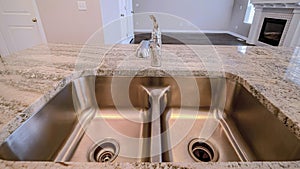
(104, 151)
(202, 151)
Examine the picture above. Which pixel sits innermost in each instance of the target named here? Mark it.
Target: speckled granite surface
(36, 74)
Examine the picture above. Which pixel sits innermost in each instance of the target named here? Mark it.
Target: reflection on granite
(33, 76)
(293, 70)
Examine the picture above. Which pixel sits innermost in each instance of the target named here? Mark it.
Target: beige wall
(64, 23)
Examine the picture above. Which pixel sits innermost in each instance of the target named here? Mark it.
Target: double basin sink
(152, 119)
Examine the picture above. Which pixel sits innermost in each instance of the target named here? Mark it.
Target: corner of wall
(237, 25)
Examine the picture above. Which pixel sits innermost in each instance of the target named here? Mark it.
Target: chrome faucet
(151, 47)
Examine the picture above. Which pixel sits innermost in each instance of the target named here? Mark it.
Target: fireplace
(272, 31)
(282, 31)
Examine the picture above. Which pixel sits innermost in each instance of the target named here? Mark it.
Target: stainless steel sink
(152, 119)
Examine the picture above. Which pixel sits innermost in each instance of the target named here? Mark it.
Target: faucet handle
(143, 50)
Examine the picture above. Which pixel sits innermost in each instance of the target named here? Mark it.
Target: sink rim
(63, 83)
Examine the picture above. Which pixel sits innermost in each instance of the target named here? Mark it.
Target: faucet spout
(152, 47)
(155, 44)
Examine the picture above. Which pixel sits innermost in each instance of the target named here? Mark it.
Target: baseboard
(237, 35)
(181, 31)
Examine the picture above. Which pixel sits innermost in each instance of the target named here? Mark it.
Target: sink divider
(158, 103)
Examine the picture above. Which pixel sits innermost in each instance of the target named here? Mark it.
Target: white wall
(64, 23)
(110, 11)
(205, 14)
(237, 24)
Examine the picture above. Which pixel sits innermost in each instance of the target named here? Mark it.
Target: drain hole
(102, 155)
(104, 151)
(202, 151)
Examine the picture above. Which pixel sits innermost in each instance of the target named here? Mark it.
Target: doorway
(126, 12)
(117, 19)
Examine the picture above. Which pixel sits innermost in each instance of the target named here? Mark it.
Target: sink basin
(117, 120)
(152, 119)
(242, 130)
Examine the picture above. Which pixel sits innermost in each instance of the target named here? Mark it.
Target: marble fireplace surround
(277, 9)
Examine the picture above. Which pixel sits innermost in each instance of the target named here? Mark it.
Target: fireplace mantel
(280, 9)
(277, 3)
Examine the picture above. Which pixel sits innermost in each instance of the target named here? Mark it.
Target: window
(249, 13)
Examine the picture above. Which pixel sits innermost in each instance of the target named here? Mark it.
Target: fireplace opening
(272, 31)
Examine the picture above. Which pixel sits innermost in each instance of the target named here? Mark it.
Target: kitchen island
(32, 77)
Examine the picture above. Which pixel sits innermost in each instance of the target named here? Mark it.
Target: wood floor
(193, 39)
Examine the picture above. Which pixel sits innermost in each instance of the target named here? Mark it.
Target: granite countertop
(271, 74)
